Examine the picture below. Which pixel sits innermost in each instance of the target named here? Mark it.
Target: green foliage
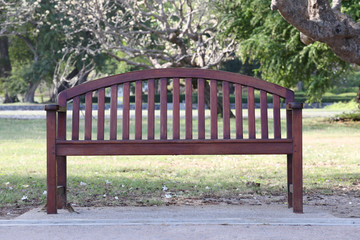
(265, 37)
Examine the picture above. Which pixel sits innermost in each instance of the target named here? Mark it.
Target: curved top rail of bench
(175, 73)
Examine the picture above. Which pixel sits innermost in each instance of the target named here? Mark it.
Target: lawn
(331, 166)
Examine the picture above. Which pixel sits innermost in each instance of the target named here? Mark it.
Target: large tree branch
(318, 21)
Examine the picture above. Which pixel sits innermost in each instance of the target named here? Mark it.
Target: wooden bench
(203, 139)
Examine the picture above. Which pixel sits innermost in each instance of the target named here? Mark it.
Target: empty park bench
(164, 137)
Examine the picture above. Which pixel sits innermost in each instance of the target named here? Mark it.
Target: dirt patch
(7, 213)
(342, 205)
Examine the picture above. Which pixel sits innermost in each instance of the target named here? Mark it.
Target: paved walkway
(182, 222)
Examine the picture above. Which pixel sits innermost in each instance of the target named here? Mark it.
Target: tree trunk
(5, 68)
(317, 20)
(219, 101)
(30, 94)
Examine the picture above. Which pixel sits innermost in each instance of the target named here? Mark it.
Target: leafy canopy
(265, 37)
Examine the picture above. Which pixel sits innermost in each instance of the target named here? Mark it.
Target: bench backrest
(207, 82)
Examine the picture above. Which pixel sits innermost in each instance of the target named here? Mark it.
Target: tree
(264, 37)
(26, 20)
(5, 70)
(147, 34)
(317, 20)
(173, 33)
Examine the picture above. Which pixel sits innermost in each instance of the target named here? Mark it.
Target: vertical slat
(226, 110)
(276, 108)
(113, 112)
(264, 115)
(101, 114)
(201, 108)
(238, 111)
(188, 108)
(138, 110)
(163, 108)
(176, 108)
(88, 115)
(75, 118)
(151, 109)
(213, 109)
(126, 111)
(251, 112)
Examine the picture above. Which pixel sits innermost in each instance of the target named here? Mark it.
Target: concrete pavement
(182, 222)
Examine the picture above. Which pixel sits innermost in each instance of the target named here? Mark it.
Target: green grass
(331, 165)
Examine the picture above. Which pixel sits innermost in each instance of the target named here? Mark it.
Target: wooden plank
(178, 73)
(264, 115)
(75, 118)
(277, 120)
(176, 108)
(175, 147)
(101, 114)
(151, 109)
(201, 108)
(213, 109)
(251, 113)
(61, 160)
(126, 111)
(113, 112)
(51, 161)
(238, 111)
(88, 115)
(188, 108)
(163, 108)
(226, 110)
(138, 110)
(297, 175)
(61, 115)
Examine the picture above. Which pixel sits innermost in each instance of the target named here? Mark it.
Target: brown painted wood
(138, 110)
(277, 119)
(151, 109)
(238, 111)
(60, 148)
(75, 118)
(213, 109)
(289, 180)
(201, 108)
(226, 110)
(61, 161)
(289, 98)
(101, 114)
(251, 113)
(126, 111)
(175, 73)
(188, 108)
(113, 112)
(51, 161)
(61, 182)
(163, 108)
(175, 147)
(297, 161)
(264, 115)
(176, 108)
(88, 115)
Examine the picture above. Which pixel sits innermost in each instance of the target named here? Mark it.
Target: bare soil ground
(344, 205)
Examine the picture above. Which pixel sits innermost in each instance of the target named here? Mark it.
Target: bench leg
(61, 182)
(51, 161)
(289, 180)
(297, 175)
